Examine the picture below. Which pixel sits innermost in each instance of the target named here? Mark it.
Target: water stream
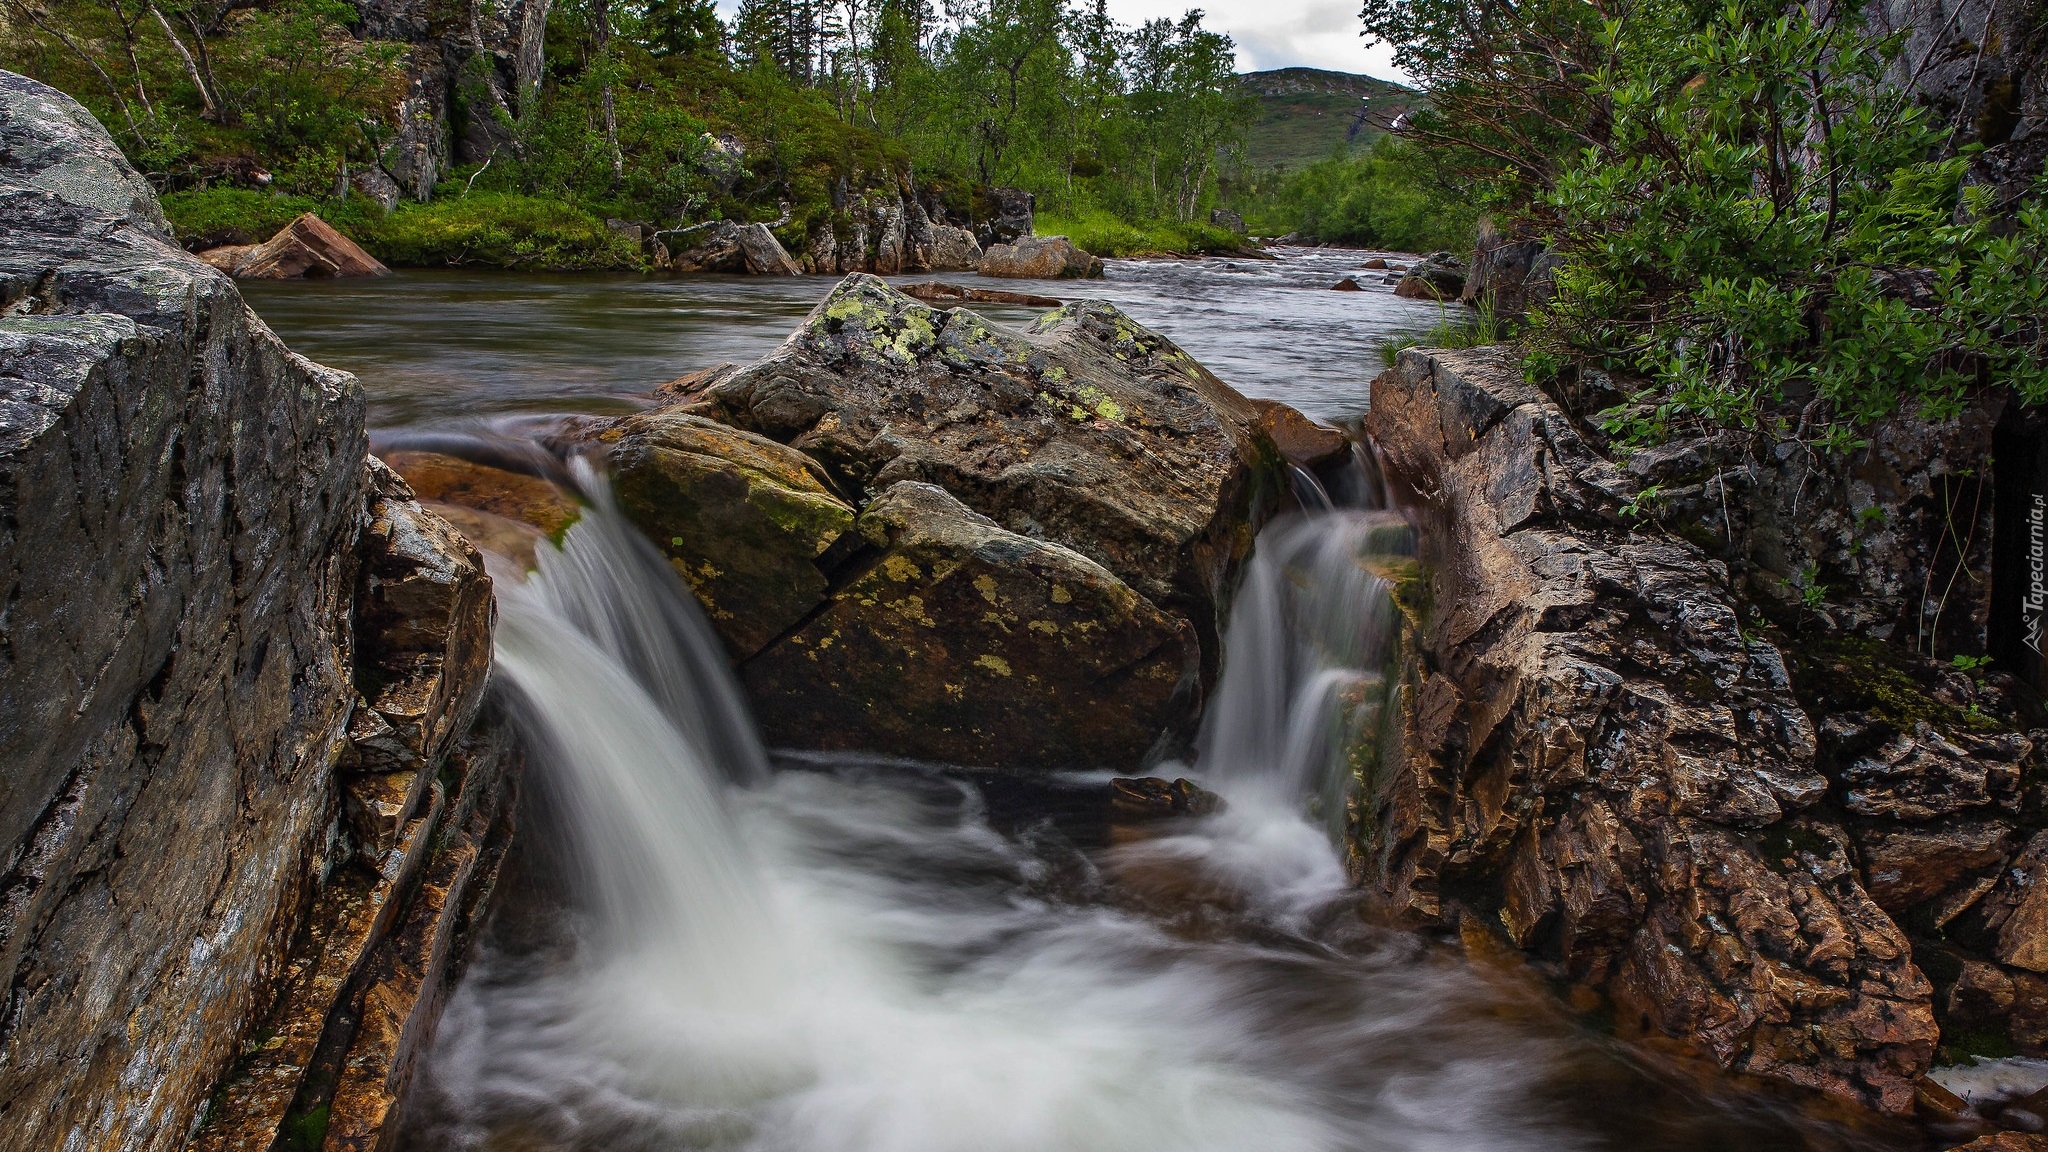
(699, 948)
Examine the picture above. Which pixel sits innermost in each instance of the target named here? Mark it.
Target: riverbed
(694, 951)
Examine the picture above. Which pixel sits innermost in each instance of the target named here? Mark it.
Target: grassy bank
(481, 230)
(1105, 234)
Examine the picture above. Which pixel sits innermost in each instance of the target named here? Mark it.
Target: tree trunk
(533, 31)
(207, 108)
(601, 15)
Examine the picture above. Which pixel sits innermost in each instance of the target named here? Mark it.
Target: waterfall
(854, 960)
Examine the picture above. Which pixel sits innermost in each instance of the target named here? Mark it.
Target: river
(696, 950)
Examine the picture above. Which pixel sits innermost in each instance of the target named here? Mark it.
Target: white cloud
(1269, 33)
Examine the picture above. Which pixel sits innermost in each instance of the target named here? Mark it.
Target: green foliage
(1752, 223)
(1460, 329)
(1106, 234)
(1389, 198)
(483, 229)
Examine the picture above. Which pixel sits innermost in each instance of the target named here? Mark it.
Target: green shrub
(1388, 198)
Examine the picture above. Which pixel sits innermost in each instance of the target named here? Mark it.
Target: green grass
(1457, 327)
(1104, 234)
(1306, 115)
(481, 230)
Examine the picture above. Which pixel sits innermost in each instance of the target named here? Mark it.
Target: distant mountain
(1306, 114)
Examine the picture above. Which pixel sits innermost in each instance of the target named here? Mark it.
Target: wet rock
(1439, 276)
(306, 248)
(1593, 737)
(745, 521)
(2006, 1142)
(424, 616)
(1923, 775)
(945, 248)
(1347, 284)
(1377, 263)
(938, 292)
(961, 642)
(1910, 866)
(1150, 798)
(1086, 430)
(1040, 258)
(438, 478)
(1301, 440)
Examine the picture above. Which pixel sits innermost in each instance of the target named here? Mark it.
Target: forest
(569, 113)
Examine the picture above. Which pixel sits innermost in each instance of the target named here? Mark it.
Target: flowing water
(696, 950)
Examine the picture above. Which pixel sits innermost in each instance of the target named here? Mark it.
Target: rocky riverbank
(1780, 832)
(248, 806)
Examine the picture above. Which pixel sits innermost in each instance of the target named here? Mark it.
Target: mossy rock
(961, 642)
(743, 520)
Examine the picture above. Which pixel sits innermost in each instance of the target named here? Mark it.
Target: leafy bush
(1752, 222)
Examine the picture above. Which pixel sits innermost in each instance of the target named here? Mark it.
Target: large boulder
(961, 642)
(240, 660)
(744, 520)
(1438, 276)
(306, 248)
(1040, 258)
(1003, 215)
(1599, 759)
(1086, 431)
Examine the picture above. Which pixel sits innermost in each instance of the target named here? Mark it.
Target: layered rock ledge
(239, 677)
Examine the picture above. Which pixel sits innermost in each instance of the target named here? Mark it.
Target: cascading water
(856, 961)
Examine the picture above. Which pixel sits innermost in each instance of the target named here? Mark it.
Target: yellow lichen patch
(901, 569)
(957, 691)
(1045, 626)
(1060, 595)
(994, 663)
(912, 608)
(986, 585)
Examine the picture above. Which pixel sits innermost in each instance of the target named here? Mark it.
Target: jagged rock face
(1508, 276)
(238, 665)
(1597, 758)
(958, 641)
(1981, 66)
(889, 233)
(181, 494)
(1896, 537)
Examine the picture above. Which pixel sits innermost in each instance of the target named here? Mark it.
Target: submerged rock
(961, 642)
(1040, 258)
(938, 292)
(744, 520)
(306, 248)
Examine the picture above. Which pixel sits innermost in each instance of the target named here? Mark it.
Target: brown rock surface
(965, 643)
(308, 247)
(939, 292)
(1040, 258)
(443, 479)
(1301, 440)
(1592, 737)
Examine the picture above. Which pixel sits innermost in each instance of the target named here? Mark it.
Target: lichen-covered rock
(181, 496)
(961, 642)
(1040, 258)
(1086, 430)
(1598, 757)
(745, 521)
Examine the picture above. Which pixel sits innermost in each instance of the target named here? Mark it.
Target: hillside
(1306, 113)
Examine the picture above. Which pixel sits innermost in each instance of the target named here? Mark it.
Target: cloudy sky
(1279, 33)
(1269, 33)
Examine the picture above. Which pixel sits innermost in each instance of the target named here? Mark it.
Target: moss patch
(1851, 674)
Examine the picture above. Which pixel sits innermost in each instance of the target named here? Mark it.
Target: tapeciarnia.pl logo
(2037, 572)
